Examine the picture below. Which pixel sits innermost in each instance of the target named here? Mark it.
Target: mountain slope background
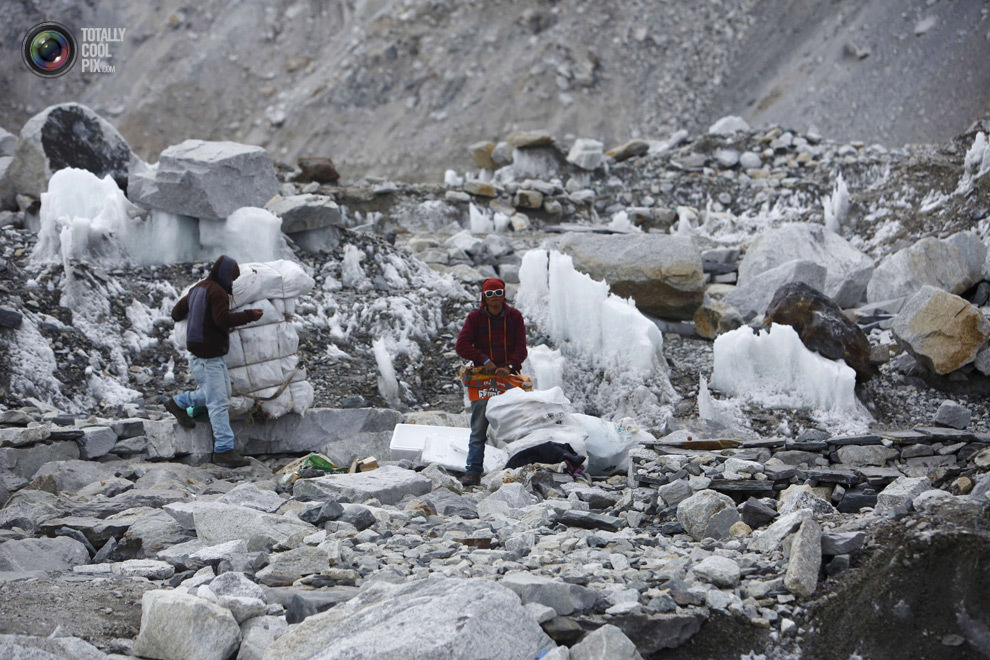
(399, 88)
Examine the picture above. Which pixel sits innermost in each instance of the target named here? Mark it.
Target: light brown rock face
(523, 139)
(715, 319)
(661, 273)
(942, 331)
(481, 152)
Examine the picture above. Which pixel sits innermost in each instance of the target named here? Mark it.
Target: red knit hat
(491, 284)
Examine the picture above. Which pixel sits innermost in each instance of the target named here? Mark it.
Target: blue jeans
(479, 433)
(214, 393)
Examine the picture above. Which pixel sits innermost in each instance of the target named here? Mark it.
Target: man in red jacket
(493, 337)
(207, 309)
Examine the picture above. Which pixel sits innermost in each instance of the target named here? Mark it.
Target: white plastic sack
(273, 279)
(607, 445)
(516, 413)
(272, 373)
(251, 345)
(297, 397)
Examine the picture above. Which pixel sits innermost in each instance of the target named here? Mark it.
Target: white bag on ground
(517, 413)
(607, 445)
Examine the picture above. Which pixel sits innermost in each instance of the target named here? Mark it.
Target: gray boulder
(68, 135)
(707, 513)
(974, 252)
(862, 455)
(467, 619)
(929, 262)
(605, 642)
(848, 269)
(72, 476)
(176, 626)
(221, 523)
(19, 437)
(661, 273)
(805, 561)
(752, 298)
(29, 647)
(770, 539)
(57, 554)
(27, 509)
(25, 461)
(284, 568)
(898, 496)
(388, 485)
(953, 415)
(96, 441)
(720, 571)
(565, 598)
(343, 435)
(305, 212)
(207, 180)
(941, 331)
(252, 497)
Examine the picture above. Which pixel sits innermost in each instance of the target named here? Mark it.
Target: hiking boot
(179, 414)
(230, 459)
(471, 479)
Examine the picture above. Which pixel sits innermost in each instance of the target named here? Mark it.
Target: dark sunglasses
(494, 292)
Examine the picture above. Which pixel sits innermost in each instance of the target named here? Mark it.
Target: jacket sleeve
(181, 309)
(465, 344)
(518, 352)
(222, 316)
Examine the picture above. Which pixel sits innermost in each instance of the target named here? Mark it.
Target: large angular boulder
(8, 196)
(68, 135)
(449, 618)
(941, 331)
(72, 476)
(221, 523)
(305, 212)
(43, 648)
(25, 461)
(388, 485)
(849, 270)
(57, 554)
(753, 297)
(605, 642)
(563, 597)
(206, 180)
(707, 513)
(822, 326)
(177, 626)
(929, 262)
(343, 434)
(661, 273)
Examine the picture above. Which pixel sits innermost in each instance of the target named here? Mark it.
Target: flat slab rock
(388, 485)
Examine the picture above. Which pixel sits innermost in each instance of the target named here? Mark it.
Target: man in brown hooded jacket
(206, 308)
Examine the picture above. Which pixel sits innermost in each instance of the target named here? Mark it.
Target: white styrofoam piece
(444, 445)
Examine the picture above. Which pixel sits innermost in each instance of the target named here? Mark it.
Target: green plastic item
(315, 461)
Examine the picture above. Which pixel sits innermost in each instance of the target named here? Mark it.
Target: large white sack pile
(263, 355)
(519, 420)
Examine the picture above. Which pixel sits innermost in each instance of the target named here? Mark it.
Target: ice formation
(977, 163)
(597, 329)
(388, 385)
(836, 206)
(84, 218)
(774, 369)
